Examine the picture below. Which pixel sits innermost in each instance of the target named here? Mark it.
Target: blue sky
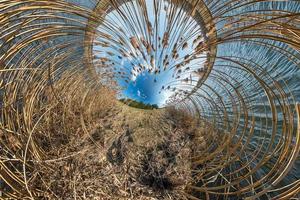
(147, 88)
(145, 85)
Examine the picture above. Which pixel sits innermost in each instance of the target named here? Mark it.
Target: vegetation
(103, 150)
(137, 104)
(64, 135)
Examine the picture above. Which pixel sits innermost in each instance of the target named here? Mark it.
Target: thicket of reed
(234, 135)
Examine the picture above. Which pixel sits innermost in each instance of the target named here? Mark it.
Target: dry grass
(93, 147)
(64, 136)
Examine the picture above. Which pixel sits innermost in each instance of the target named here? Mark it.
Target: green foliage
(137, 104)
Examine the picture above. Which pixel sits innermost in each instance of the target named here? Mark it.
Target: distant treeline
(137, 104)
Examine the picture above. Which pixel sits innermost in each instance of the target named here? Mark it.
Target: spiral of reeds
(235, 117)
